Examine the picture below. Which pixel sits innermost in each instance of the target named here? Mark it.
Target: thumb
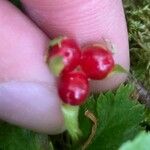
(27, 89)
(86, 21)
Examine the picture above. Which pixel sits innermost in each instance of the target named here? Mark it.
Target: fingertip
(25, 100)
(107, 84)
(31, 105)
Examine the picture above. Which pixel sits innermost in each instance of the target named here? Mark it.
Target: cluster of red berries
(75, 67)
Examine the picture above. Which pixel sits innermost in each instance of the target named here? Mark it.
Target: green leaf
(141, 142)
(15, 138)
(118, 119)
(84, 122)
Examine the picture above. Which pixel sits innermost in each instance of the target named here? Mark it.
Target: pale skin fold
(28, 95)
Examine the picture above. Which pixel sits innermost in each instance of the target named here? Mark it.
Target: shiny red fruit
(64, 55)
(73, 88)
(96, 62)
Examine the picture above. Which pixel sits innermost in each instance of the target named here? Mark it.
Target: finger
(86, 21)
(27, 89)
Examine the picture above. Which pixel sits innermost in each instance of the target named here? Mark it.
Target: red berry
(96, 62)
(64, 55)
(73, 88)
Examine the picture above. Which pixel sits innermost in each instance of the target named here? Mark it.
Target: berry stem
(92, 117)
(142, 93)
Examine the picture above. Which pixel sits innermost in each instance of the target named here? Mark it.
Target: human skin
(27, 90)
(86, 21)
(27, 94)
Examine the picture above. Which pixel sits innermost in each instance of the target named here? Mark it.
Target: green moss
(138, 20)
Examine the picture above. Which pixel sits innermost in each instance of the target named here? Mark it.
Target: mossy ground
(138, 20)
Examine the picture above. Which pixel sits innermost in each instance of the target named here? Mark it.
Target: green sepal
(56, 65)
(56, 41)
(71, 121)
(119, 69)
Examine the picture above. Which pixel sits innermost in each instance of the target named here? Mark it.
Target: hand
(28, 95)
